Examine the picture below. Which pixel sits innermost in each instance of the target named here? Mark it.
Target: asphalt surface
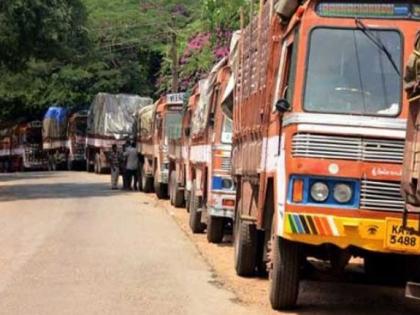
(70, 245)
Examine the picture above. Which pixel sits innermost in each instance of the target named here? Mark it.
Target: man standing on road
(115, 159)
(132, 165)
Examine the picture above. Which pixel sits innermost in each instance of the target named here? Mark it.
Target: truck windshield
(34, 136)
(348, 74)
(227, 131)
(173, 123)
(80, 126)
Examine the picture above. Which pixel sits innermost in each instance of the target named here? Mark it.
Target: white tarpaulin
(145, 121)
(206, 88)
(227, 98)
(115, 115)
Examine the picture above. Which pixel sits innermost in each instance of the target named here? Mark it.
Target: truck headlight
(319, 192)
(342, 193)
(227, 183)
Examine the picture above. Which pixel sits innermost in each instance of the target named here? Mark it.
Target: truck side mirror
(283, 105)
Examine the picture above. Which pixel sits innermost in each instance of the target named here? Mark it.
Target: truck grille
(381, 196)
(226, 164)
(348, 148)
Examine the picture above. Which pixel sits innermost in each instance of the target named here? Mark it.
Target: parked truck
(319, 127)
(54, 137)
(111, 120)
(212, 190)
(179, 155)
(26, 151)
(5, 146)
(76, 140)
(411, 171)
(158, 125)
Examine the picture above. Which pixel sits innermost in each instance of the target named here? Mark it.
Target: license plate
(399, 239)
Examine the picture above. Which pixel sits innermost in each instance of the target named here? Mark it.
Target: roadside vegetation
(66, 51)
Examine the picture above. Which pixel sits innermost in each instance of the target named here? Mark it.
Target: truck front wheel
(245, 247)
(160, 189)
(70, 165)
(176, 195)
(195, 215)
(284, 275)
(215, 229)
(146, 183)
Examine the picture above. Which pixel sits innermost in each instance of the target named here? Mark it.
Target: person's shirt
(115, 158)
(132, 158)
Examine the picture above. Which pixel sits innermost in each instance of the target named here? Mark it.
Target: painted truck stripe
(305, 225)
(320, 228)
(312, 225)
(292, 224)
(298, 224)
(333, 226)
(326, 226)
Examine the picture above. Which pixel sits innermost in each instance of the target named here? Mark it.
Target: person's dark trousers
(132, 179)
(125, 178)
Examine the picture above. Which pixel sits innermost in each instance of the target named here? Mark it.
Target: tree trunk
(175, 67)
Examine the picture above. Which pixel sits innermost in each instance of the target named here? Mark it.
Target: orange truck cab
(5, 145)
(26, 148)
(76, 144)
(410, 187)
(179, 155)
(153, 145)
(319, 132)
(210, 184)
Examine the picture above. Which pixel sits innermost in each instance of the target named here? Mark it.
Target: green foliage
(222, 14)
(66, 51)
(41, 29)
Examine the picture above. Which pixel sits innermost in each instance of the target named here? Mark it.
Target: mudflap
(412, 291)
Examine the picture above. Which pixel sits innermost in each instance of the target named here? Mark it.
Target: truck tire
(160, 189)
(89, 167)
(177, 195)
(146, 183)
(215, 229)
(172, 178)
(245, 247)
(70, 165)
(187, 200)
(284, 274)
(195, 216)
(96, 164)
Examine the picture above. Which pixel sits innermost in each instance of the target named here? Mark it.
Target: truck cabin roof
(170, 102)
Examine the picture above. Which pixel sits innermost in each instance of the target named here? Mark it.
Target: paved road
(69, 245)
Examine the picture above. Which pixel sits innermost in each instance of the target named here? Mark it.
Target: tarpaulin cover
(115, 115)
(412, 73)
(206, 88)
(227, 98)
(55, 124)
(145, 121)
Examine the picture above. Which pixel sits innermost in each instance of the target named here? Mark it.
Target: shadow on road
(9, 177)
(56, 191)
(343, 298)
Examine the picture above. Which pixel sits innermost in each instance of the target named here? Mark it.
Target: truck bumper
(377, 235)
(221, 213)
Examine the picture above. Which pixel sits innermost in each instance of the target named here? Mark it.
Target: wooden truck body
(319, 129)
(27, 148)
(164, 127)
(210, 186)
